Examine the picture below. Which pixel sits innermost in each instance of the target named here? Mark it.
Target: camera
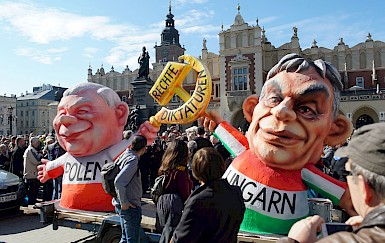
(331, 228)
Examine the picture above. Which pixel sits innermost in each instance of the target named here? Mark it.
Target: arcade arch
(238, 120)
(363, 116)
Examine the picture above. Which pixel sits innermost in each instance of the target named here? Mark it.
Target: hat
(366, 148)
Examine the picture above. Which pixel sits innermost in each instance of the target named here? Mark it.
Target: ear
(340, 130)
(121, 112)
(249, 105)
(365, 190)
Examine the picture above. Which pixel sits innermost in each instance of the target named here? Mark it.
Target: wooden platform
(148, 219)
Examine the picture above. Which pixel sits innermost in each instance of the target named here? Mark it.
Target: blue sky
(54, 41)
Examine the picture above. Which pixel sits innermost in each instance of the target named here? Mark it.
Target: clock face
(164, 53)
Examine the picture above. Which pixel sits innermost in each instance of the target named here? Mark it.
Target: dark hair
(201, 130)
(138, 143)
(18, 139)
(295, 63)
(175, 154)
(208, 165)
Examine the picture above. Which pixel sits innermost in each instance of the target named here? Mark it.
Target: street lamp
(10, 118)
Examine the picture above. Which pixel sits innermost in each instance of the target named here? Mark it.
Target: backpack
(158, 188)
(108, 174)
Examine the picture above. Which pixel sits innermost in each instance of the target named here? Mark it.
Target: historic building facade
(8, 115)
(35, 111)
(245, 57)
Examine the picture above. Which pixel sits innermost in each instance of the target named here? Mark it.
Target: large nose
(285, 110)
(67, 120)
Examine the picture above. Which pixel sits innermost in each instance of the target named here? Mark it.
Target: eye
(273, 101)
(307, 111)
(82, 111)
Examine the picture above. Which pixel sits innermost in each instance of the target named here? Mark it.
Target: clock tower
(169, 48)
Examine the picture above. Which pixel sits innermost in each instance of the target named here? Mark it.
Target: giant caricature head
(296, 114)
(90, 117)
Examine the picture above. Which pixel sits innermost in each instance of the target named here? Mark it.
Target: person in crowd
(128, 186)
(26, 139)
(214, 211)
(32, 158)
(290, 122)
(48, 185)
(156, 160)
(201, 141)
(178, 186)
(12, 144)
(191, 133)
(218, 146)
(365, 172)
(144, 167)
(4, 157)
(17, 158)
(54, 151)
(327, 156)
(192, 148)
(127, 134)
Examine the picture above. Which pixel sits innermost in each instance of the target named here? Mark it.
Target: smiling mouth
(281, 138)
(71, 137)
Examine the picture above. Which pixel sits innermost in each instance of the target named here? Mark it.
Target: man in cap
(365, 171)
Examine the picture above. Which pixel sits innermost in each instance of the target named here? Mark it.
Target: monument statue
(144, 62)
(134, 119)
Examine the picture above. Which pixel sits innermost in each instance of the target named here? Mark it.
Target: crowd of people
(22, 154)
(193, 165)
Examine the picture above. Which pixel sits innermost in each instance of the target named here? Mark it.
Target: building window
(360, 82)
(216, 92)
(124, 98)
(21, 113)
(239, 40)
(26, 113)
(251, 39)
(362, 60)
(240, 78)
(227, 42)
(175, 99)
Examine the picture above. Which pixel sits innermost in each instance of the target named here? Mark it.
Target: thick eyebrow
(315, 88)
(79, 102)
(271, 83)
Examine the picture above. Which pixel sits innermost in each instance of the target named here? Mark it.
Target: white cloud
(44, 25)
(194, 17)
(46, 57)
(89, 52)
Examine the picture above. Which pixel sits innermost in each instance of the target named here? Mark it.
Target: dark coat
(55, 151)
(213, 213)
(202, 143)
(222, 150)
(17, 161)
